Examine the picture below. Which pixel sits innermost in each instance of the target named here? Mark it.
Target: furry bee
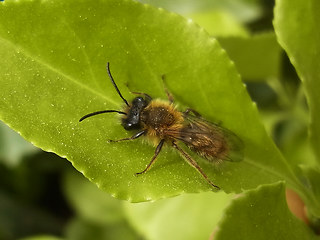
(161, 122)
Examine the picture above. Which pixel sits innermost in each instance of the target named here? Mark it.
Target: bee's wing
(209, 140)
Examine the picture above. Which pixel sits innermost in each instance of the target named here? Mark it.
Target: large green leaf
(297, 27)
(266, 216)
(55, 73)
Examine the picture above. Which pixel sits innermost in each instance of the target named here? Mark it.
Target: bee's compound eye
(129, 125)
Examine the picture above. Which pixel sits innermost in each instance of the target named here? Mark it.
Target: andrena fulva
(161, 122)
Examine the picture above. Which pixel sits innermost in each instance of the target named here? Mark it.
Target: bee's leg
(169, 95)
(193, 163)
(188, 110)
(156, 153)
(139, 134)
(147, 96)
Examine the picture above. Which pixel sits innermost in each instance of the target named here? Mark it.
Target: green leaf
(297, 27)
(262, 214)
(55, 73)
(13, 147)
(312, 178)
(257, 57)
(191, 216)
(219, 23)
(243, 10)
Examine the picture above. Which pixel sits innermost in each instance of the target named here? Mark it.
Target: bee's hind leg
(194, 164)
(156, 153)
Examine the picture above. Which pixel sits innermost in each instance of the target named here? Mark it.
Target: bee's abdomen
(214, 150)
(207, 145)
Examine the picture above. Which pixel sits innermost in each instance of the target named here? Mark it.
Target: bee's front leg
(138, 134)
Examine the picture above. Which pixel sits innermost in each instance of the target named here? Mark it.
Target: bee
(162, 123)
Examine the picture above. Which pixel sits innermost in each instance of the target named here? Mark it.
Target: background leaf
(295, 22)
(82, 229)
(98, 215)
(13, 147)
(89, 202)
(243, 10)
(262, 214)
(191, 216)
(256, 57)
(219, 23)
(296, 25)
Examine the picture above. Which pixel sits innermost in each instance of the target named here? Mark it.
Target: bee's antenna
(99, 112)
(115, 85)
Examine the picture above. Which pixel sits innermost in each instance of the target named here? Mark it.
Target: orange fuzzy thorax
(161, 118)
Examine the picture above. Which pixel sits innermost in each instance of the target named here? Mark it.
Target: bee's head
(132, 119)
